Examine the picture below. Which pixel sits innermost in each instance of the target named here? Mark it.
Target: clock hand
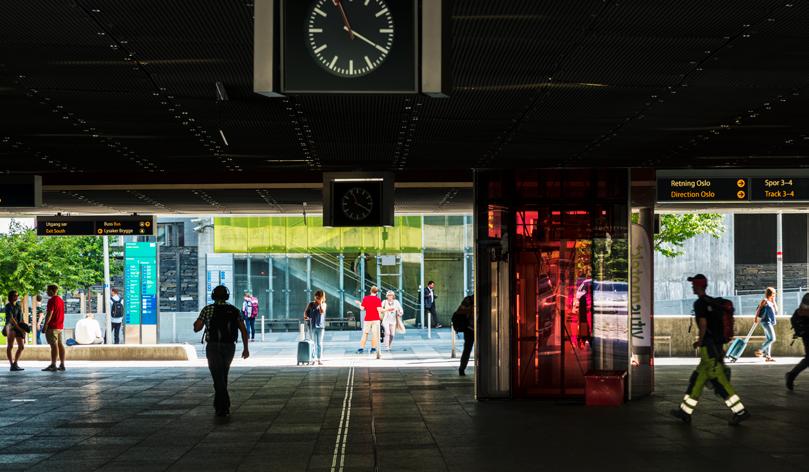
(363, 207)
(367, 41)
(347, 27)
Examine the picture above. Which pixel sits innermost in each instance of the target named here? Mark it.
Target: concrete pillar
(779, 253)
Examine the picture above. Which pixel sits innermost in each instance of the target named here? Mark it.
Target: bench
(116, 352)
(662, 340)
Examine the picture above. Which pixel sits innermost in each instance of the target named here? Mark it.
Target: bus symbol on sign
(741, 195)
(741, 183)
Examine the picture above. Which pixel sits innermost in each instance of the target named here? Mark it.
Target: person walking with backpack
(222, 322)
(315, 315)
(116, 315)
(765, 314)
(800, 323)
(248, 308)
(711, 322)
(463, 321)
(14, 330)
(253, 315)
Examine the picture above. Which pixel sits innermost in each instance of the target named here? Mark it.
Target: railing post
(454, 335)
(262, 328)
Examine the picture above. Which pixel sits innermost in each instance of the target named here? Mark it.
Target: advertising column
(140, 283)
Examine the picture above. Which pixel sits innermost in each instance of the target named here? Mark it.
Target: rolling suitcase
(737, 347)
(305, 347)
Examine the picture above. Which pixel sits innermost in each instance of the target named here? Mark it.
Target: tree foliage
(28, 263)
(676, 229)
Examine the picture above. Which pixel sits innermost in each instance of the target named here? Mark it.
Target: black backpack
(117, 309)
(223, 325)
(460, 319)
(799, 323)
(314, 314)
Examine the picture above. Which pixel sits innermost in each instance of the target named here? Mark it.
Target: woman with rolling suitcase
(315, 315)
(765, 315)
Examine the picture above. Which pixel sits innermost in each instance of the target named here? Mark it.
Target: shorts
(8, 329)
(53, 336)
(371, 327)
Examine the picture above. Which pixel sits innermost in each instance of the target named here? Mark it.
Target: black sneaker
(361, 350)
(16, 368)
(462, 372)
(790, 381)
(681, 415)
(61, 367)
(739, 417)
(50, 368)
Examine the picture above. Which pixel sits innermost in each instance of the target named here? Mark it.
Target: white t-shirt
(389, 317)
(88, 331)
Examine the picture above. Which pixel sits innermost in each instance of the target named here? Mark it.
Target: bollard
(262, 328)
(453, 355)
(429, 325)
(174, 327)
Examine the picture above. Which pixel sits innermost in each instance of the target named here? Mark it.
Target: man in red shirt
(371, 304)
(54, 324)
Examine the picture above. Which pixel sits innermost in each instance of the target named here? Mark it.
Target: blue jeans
(317, 336)
(769, 334)
(250, 324)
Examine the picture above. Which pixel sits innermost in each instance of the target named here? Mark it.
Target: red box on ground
(604, 387)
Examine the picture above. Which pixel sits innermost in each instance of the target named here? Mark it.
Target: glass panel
(259, 276)
(552, 256)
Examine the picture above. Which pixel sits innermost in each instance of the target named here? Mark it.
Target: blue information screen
(140, 283)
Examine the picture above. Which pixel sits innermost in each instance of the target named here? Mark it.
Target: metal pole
(453, 355)
(286, 288)
(270, 291)
(262, 328)
(308, 276)
(249, 271)
(341, 276)
(174, 327)
(421, 276)
(362, 275)
(465, 259)
(779, 251)
(401, 278)
(379, 275)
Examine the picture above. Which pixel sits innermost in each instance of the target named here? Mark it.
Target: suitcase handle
(750, 333)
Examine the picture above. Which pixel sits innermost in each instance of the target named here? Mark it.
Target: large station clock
(354, 46)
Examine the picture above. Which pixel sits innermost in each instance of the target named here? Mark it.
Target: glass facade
(283, 260)
(553, 278)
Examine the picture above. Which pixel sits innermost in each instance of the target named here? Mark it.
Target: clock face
(349, 46)
(350, 38)
(357, 203)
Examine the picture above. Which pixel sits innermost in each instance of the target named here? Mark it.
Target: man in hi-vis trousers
(711, 366)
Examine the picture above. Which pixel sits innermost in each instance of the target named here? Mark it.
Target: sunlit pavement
(356, 413)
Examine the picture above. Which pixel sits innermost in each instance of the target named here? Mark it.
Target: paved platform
(152, 418)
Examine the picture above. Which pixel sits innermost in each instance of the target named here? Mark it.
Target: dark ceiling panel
(123, 91)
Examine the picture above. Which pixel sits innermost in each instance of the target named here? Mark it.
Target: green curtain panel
(294, 235)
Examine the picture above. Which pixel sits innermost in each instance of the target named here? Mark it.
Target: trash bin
(604, 387)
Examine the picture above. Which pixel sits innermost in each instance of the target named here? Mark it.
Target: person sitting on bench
(88, 331)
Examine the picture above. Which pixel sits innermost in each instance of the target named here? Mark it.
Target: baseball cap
(698, 277)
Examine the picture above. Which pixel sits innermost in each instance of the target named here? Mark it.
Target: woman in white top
(391, 311)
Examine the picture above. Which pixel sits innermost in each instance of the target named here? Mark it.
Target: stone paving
(151, 417)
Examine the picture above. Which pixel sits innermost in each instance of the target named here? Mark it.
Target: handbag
(400, 327)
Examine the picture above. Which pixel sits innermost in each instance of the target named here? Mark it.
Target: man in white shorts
(371, 304)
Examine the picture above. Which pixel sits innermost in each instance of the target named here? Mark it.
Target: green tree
(28, 263)
(676, 229)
